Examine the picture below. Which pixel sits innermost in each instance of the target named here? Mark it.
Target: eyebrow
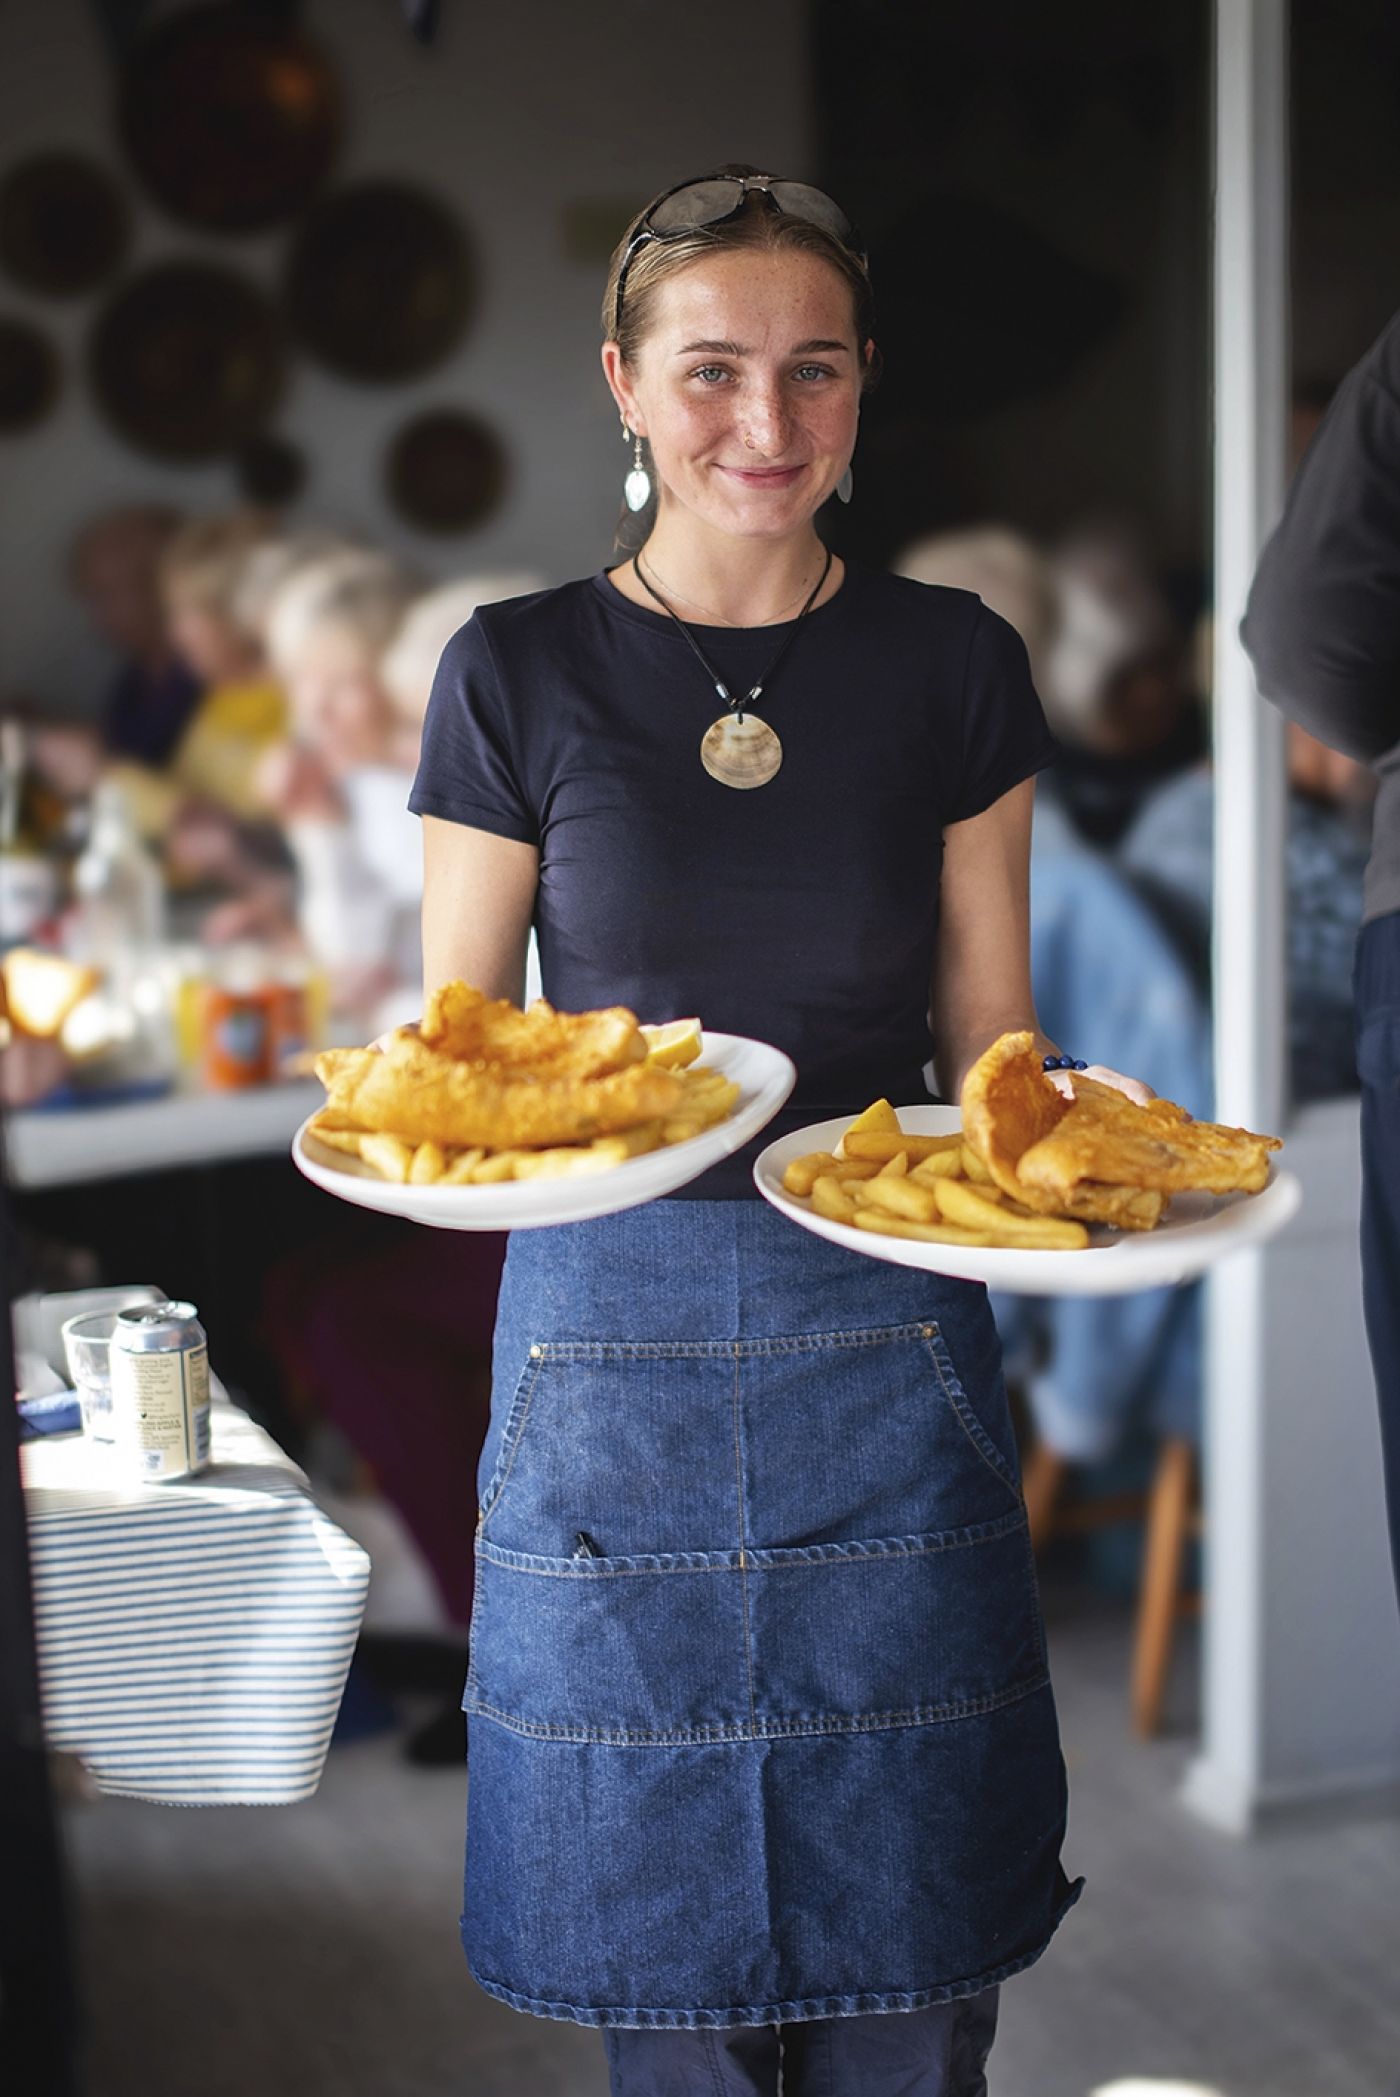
(736, 349)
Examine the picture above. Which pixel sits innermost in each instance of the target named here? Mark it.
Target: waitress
(762, 1739)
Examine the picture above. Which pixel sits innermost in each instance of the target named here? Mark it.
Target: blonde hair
(756, 224)
(999, 566)
(274, 563)
(411, 660)
(355, 593)
(203, 563)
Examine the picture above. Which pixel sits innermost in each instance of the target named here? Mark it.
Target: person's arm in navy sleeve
(1322, 626)
(480, 832)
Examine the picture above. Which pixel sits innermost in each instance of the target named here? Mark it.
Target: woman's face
(338, 703)
(747, 388)
(209, 645)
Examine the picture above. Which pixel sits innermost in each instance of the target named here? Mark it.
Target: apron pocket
(730, 1645)
(644, 1650)
(907, 1631)
(987, 1425)
(631, 1444)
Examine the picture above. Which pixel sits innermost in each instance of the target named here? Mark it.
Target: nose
(766, 423)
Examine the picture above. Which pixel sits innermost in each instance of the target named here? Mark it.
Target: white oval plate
(1200, 1228)
(763, 1074)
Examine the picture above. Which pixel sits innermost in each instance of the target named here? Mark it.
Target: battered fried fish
(424, 1095)
(1105, 1135)
(539, 1042)
(1010, 1107)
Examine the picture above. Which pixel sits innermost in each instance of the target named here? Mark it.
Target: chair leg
(1041, 1484)
(1164, 1545)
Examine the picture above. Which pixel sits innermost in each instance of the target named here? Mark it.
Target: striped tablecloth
(193, 1637)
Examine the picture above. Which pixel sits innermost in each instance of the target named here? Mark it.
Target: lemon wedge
(675, 1044)
(879, 1116)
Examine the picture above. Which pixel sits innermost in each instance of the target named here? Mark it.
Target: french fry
(943, 1165)
(885, 1143)
(335, 1137)
(494, 1166)
(389, 1156)
(428, 1163)
(641, 1137)
(461, 1167)
(896, 1167)
(973, 1167)
(901, 1197)
(975, 1208)
(803, 1173)
(833, 1199)
(566, 1160)
(709, 1097)
(1043, 1234)
(970, 1208)
(930, 1233)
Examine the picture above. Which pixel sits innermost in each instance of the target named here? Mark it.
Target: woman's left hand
(1133, 1088)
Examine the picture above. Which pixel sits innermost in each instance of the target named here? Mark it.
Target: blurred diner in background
(229, 831)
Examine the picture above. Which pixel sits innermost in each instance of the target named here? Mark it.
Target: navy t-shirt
(803, 912)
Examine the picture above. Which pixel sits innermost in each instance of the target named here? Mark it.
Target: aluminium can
(160, 1390)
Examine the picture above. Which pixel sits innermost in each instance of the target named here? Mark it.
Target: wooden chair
(1170, 1512)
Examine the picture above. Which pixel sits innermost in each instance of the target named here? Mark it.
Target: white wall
(514, 112)
(1303, 1667)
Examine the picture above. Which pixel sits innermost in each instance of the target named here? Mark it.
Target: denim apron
(760, 1723)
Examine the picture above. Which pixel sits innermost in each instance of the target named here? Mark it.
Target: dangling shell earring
(844, 486)
(636, 489)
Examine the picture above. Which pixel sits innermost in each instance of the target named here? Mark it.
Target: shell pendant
(741, 751)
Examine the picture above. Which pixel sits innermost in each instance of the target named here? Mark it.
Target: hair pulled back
(756, 224)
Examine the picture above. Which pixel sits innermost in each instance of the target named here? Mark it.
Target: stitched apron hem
(800, 1726)
(803, 2012)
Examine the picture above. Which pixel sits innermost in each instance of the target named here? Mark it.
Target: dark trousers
(938, 2052)
(1378, 1064)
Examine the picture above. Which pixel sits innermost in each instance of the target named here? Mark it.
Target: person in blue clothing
(765, 1774)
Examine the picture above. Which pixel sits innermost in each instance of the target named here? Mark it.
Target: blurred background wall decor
(530, 133)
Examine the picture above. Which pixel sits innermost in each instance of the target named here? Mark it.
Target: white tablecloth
(193, 1637)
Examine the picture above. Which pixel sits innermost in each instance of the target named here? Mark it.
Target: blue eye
(709, 371)
(821, 371)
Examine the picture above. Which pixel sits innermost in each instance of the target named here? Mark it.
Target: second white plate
(1199, 1229)
(764, 1075)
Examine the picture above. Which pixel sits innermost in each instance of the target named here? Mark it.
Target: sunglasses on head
(693, 205)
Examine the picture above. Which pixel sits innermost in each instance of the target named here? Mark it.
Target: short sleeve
(467, 772)
(1004, 735)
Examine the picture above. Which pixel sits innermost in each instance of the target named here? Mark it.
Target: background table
(193, 1637)
(197, 1187)
(54, 1147)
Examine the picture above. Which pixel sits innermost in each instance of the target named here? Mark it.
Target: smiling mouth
(763, 473)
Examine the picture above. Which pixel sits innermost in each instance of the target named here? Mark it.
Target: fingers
(1132, 1088)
